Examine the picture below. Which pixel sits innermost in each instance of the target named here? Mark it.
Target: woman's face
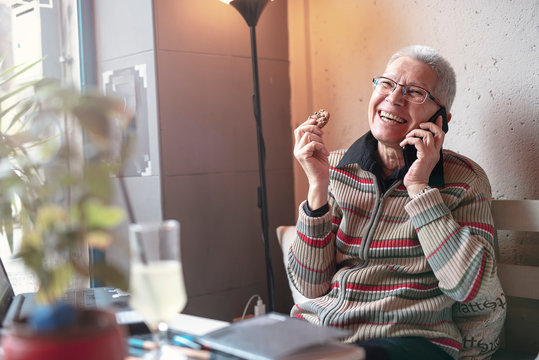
(391, 117)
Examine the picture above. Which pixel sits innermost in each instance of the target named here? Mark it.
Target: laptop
(19, 306)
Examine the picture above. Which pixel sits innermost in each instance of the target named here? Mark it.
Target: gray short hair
(446, 86)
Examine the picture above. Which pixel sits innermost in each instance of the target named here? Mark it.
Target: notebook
(276, 336)
(19, 306)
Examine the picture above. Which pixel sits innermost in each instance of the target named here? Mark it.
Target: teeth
(392, 117)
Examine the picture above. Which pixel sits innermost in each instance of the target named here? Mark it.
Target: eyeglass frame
(429, 95)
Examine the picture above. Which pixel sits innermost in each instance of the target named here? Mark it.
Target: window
(31, 30)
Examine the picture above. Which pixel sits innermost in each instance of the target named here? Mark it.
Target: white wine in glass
(156, 278)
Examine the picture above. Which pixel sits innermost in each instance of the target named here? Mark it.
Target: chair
(519, 282)
(285, 235)
(517, 215)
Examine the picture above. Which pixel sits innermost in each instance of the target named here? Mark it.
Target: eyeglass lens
(413, 94)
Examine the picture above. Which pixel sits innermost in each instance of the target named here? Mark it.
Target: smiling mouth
(391, 118)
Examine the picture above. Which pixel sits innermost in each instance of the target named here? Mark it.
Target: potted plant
(58, 197)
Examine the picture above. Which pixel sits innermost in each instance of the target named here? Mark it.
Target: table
(185, 324)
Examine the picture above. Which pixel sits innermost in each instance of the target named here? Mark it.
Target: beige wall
(336, 47)
(336, 50)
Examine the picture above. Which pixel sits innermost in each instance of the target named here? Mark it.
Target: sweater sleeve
(311, 257)
(457, 242)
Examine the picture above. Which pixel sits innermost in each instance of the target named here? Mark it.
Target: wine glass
(156, 278)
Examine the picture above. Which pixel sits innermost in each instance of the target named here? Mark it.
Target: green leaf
(31, 240)
(25, 108)
(99, 216)
(59, 281)
(17, 90)
(50, 214)
(40, 166)
(14, 72)
(94, 114)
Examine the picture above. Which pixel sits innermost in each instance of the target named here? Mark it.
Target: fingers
(418, 137)
(313, 151)
(414, 141)
(306, 133)
(429, 134)
(309, 144)
(439, 121)
(308, 137)
(435, 128)
(425, 143)
(308, 126)
(312, 155)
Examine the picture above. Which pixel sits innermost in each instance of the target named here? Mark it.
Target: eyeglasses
(411, 93)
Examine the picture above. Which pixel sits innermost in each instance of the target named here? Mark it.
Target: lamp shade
(249, 9)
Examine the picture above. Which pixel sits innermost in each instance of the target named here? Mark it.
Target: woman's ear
(448, 117)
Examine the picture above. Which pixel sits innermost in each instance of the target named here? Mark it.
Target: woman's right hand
(311, 153)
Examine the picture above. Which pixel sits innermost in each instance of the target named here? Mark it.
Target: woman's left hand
(428, 140)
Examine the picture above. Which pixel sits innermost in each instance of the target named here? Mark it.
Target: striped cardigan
(383, 265)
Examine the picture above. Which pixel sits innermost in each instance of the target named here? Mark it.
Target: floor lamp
(251, 10)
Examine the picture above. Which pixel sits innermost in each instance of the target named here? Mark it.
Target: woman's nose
(396, 96)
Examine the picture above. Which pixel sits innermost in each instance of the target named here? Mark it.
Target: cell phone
(410, 151)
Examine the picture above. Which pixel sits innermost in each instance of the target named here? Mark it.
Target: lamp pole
(251, 10)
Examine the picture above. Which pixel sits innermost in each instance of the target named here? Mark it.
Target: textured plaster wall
(337, 47)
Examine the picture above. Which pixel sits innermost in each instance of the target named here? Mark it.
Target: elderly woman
(385, 249)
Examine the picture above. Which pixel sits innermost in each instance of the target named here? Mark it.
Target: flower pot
(94, 336)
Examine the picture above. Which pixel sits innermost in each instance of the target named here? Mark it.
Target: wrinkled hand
(312, 154)
(428, 140)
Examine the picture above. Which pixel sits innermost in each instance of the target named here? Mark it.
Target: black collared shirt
(364, 151)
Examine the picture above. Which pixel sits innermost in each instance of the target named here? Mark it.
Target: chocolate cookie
(321, 117)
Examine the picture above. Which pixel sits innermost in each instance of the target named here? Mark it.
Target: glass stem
(160, 336)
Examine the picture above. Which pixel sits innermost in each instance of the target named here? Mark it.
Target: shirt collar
(364, 151)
